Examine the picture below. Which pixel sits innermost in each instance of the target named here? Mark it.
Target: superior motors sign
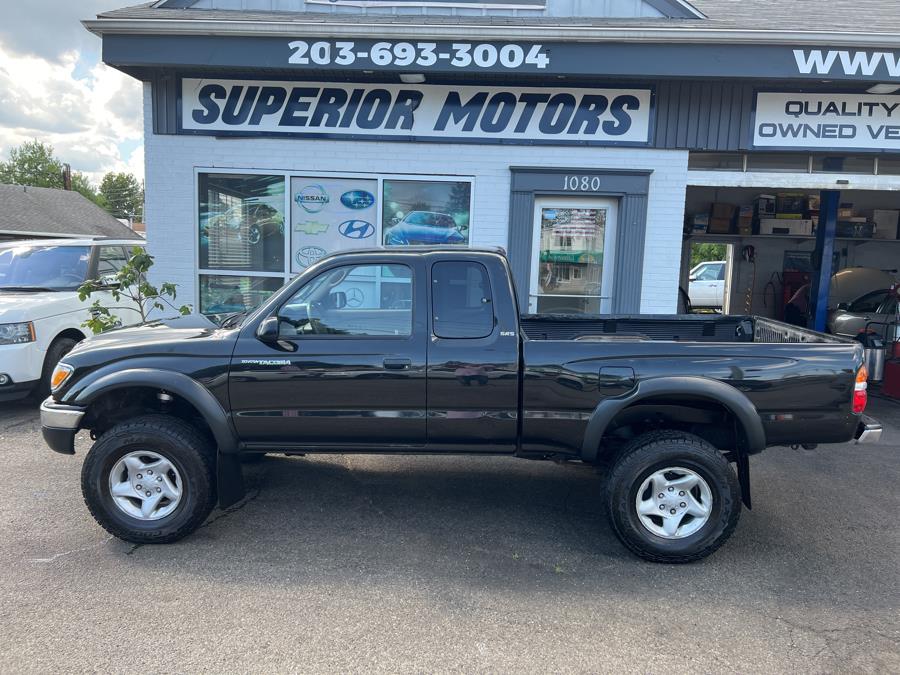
(417, 112)
(827, 121)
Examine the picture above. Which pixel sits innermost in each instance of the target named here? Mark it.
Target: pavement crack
(250, 497)
(63, 554)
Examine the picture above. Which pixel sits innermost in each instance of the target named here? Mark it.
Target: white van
(41, 316)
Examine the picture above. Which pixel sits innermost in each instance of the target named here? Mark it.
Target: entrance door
(572, 256)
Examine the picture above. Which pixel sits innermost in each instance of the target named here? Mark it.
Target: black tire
(55, 353)
(650, 453)
(180, 443)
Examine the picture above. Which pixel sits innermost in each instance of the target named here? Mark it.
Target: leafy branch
(129, 282)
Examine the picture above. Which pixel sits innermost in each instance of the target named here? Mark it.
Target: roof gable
(46, 211)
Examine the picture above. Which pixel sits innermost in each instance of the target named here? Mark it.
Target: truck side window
(461, 300)
(354, 300)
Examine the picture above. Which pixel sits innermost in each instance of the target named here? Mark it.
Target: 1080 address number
(425, 54)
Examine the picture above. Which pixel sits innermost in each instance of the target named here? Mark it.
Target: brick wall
(171, 200)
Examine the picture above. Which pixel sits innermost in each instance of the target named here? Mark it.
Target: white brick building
(277, 132)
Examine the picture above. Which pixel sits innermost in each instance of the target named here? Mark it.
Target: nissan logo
(312, 198)
(356, 229)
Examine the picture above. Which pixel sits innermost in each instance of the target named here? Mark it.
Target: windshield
(57, 268)
(430, 219)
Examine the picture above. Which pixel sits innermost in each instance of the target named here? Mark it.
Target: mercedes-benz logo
(355, 297)
(309, 255)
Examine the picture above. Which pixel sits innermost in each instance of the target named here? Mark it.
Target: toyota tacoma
(433, 357)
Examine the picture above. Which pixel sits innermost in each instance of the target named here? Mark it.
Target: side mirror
(843, 307)
(268, 330)
(692, 277)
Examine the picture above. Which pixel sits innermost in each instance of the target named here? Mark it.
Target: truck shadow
(460, 524)
(466, 520)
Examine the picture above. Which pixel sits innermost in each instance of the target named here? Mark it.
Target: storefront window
(426, 213)
(226, 294)
(716, 161)
(843, 164)
(889, 165)
(777, 162)
(241, 222)
(330, 215)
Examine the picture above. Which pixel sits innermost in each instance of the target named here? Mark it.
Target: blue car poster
(329, 215)
(426, 213)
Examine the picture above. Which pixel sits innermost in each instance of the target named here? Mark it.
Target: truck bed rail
(684, 328)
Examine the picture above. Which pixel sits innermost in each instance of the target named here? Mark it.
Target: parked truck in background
(434, 358)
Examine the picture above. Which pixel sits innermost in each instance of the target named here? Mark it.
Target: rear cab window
(462, 301)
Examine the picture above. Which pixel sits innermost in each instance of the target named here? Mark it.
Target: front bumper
(869, 430)
(22, 362)
(59, 424)
(16, 391)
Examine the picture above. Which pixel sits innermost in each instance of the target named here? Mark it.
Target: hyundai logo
(356, 229)
(309, 255)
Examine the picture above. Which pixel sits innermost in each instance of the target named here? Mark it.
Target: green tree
(124, 195)
(32, 163)
(130, 282)
(705, 252)
(83, 185)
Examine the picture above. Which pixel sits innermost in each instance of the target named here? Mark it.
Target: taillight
(860, 390)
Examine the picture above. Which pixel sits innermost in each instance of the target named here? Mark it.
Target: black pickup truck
(424, 351)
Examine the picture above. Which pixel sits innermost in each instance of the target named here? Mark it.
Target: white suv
(41, 316)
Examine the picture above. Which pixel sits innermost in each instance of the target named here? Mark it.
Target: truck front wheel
(150, 480)
(673, 497)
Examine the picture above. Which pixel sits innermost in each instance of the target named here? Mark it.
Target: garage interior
(768, 226)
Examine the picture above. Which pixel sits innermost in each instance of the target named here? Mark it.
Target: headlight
(16, 333)
(60, 374)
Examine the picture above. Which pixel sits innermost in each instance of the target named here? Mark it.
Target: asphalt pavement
(437, 564)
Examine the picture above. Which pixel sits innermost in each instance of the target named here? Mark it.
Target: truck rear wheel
(673, 497)
(150, 480)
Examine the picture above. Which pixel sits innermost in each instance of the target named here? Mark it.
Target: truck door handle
(397, 364)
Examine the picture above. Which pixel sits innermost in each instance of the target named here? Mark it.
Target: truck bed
(667, 328)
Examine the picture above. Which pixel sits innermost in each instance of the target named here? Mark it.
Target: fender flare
(229, 476)
(698, 387)
(177, 383)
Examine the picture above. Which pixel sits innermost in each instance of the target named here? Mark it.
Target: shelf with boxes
(787, 237)
(791, 215)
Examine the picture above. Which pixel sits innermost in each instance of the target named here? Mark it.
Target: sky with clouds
(54, 88)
